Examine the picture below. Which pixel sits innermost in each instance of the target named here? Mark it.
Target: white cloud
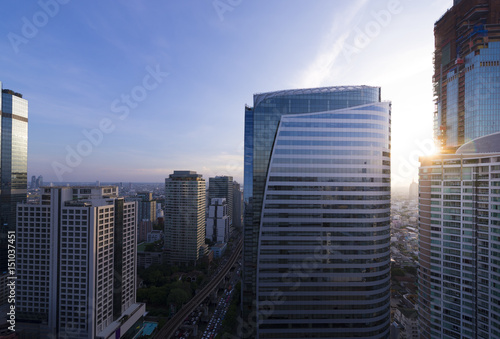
(321, 69)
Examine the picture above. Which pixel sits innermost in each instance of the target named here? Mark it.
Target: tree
(177, 296)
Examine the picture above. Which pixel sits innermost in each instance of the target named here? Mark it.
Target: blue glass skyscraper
(13, 163)
(316, 235)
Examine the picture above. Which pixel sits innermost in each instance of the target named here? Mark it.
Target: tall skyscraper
(459, 256)
(184, 217)
(467, 73)
(222, 187)
(76, 264)
(13, 163)
(317, 197)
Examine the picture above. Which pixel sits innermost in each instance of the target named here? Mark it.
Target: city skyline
(206, 54)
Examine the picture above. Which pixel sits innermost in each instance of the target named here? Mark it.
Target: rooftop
(486, 144)
(259, 97)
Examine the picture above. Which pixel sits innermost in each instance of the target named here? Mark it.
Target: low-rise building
(408, 319)
(219, 250)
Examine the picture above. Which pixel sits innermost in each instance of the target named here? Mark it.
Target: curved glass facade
(318, 252)
(482, 92)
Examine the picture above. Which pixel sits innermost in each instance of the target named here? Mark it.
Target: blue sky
(139, 89)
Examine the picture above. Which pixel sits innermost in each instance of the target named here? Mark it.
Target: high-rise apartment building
(76, 264)
(13, 163)
(218, 221)
(184, 217)
(467, 73)
(459, 256)
(146, 213)
(146, 206)
(222, 187)
(317, 196)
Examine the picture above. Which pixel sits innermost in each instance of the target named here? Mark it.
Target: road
(169, 329)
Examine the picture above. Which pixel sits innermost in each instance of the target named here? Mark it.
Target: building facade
(407, 319)
(155, 235)
(459, 238)
(222, 187)
(184, 217)
(218, 221)
(316, 232)
(13, 163)
(237, 205)
(146, 206)
(145, 227)
(467, 73)
(76, 264)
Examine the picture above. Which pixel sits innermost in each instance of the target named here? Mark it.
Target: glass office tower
(13, 163)
(316, 235)
(467, 73)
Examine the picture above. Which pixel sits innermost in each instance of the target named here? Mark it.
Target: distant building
(33, 182)
(76, 264)
(413, 190)
(222, 187)
(219, 250)
(204, 250)
(218, 220)
(145, 227)
(146, 206)
(408, 319)
(154, 235)
(39, 182)
(159, 211)
(146, 259)
(13, 163)
(184, 217)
